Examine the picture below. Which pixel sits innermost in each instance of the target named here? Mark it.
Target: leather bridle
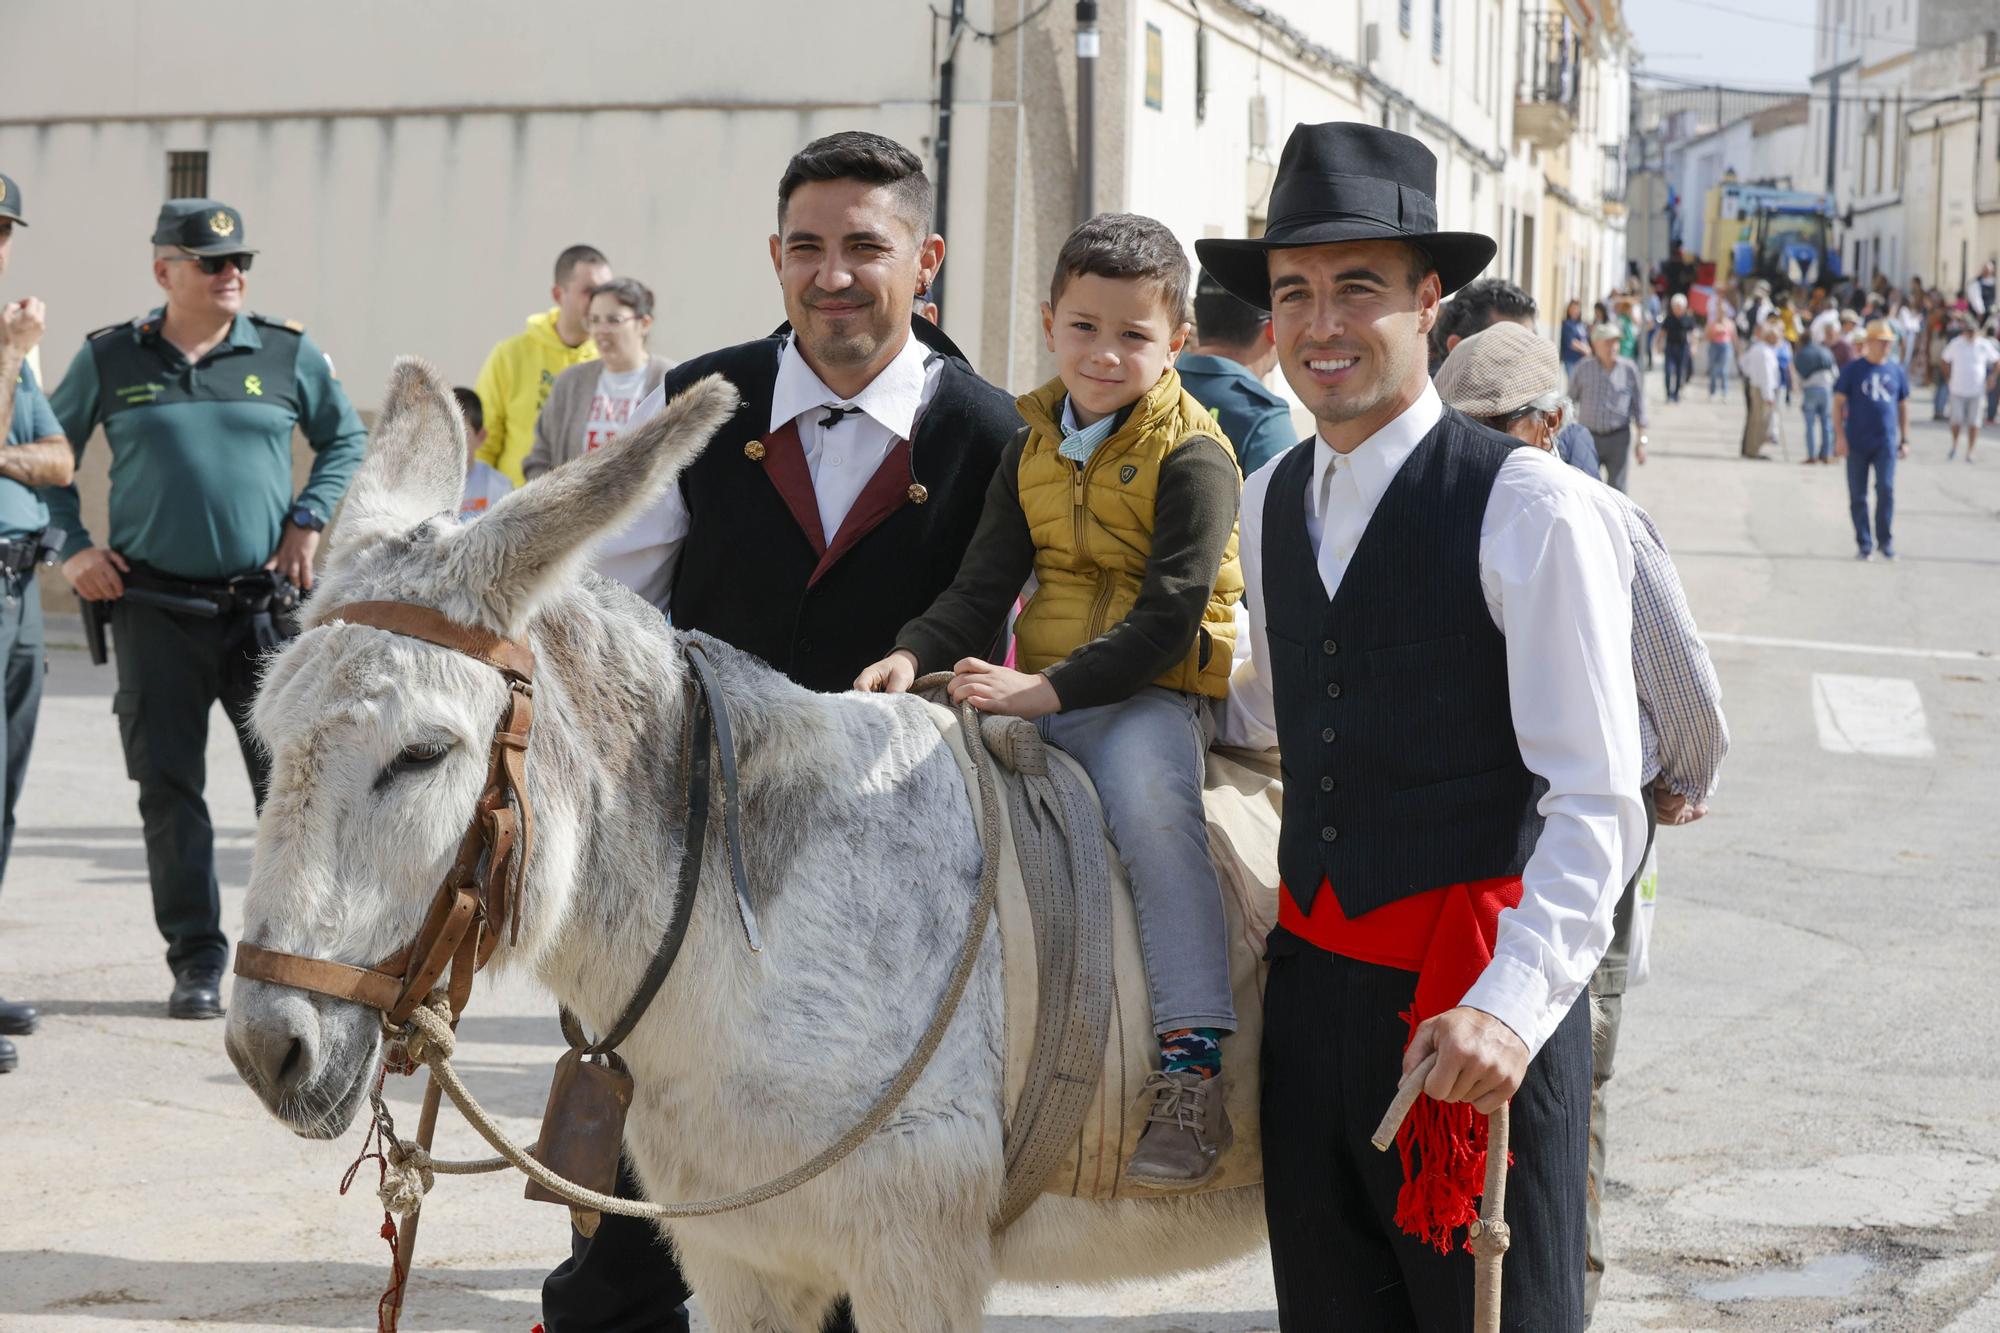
(481, 893)
(480, 897)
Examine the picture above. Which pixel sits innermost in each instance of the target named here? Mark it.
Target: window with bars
(1404, 16)
(1437, 30)
(187, 175)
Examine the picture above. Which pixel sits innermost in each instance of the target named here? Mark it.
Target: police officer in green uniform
(35, 454)
(198, 401)
(1233, 347)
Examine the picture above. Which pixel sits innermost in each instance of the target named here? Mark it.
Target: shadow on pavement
(106, 1008)
(301, 1295)
(122, 848)
(1683, 552)
(1231, 1322)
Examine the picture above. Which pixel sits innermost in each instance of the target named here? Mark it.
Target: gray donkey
(863, 857)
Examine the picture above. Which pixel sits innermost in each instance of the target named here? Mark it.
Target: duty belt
(20, 557)
(264, 598)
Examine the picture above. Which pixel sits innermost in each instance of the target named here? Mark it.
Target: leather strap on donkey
(481, 893)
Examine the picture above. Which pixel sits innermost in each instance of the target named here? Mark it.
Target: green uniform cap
(10, 201)
(201, 227)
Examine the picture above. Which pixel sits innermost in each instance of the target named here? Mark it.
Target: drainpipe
(947, 79)
(1086, 109)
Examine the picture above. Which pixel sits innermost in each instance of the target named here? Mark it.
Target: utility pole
(1086, 109)
(947, 80)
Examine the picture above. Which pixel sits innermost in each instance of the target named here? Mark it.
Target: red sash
(1445, 936)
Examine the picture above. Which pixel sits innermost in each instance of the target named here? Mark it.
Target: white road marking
(1877, 649)
(1873, 715)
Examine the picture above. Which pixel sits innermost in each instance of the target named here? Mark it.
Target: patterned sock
(1192, 1051)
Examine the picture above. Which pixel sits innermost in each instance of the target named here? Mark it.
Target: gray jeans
(1146, 757)
(1614, 453)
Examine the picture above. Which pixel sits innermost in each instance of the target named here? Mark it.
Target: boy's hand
(892, 675)
(998, 689)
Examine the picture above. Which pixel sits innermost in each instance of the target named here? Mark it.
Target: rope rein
(429, 1040)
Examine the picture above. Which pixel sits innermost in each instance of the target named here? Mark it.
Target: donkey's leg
(924, 1283)
(737, 1298)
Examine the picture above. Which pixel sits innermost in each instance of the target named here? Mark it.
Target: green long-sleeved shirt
(1193, 516)
(201, 455)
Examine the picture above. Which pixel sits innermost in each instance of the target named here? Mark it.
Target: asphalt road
(1805, 1133)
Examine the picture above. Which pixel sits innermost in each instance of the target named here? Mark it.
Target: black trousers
(172, 669)
(1332, 1055)
(23, 662)
(625, 1279)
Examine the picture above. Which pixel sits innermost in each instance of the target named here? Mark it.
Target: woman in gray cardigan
(590, 402)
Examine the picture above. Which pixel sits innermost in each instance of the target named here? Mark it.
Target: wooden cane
(1488, 1232)
(406, 1249)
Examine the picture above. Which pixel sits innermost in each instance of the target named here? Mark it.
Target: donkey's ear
(526, 546)
(416, 458)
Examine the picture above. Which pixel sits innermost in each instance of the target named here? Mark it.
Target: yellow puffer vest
(1093, 529)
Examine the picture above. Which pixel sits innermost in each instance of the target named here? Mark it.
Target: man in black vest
(830, 511)
(1441, 647)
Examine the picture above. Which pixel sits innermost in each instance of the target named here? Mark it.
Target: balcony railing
(1550, 92)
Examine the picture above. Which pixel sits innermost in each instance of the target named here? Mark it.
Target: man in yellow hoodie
(514, 382)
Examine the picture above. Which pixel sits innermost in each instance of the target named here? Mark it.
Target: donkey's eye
(421, 754)
(411, 759)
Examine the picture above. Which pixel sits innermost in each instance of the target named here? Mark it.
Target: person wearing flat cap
(35, 455)
(198, 400)
(1440, 645)
(1511, 380)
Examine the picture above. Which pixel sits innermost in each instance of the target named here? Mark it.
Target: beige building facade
(410, 171)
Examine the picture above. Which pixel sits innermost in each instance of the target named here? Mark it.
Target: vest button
(1326, 734)
(1326, 784)
(1329, 647)
(1329, 833)
(805, 645)
(1333, 689)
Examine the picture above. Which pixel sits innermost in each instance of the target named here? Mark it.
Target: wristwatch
(303, 517)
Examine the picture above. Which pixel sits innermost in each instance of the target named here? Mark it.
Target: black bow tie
(834, 414)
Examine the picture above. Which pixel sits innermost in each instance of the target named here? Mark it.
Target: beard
(848, 341)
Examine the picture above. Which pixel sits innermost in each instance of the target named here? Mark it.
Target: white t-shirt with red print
(611, 405)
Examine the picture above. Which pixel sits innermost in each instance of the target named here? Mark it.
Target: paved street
(1805, 1132)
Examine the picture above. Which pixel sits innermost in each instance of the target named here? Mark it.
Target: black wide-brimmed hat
(1345, 182)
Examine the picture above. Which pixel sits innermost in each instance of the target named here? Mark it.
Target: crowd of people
(1849, 371)
(1438, 606)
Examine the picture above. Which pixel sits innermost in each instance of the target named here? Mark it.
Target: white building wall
(411, 184)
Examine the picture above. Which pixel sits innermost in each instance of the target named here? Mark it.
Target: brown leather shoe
(1187, 1130)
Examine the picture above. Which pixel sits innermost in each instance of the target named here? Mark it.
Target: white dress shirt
(841, 457)
(1555, 564)
(1760, 367)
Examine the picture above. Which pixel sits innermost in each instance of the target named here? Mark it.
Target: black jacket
(750, 575)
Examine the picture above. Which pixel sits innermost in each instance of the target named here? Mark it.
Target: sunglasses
(213, 264)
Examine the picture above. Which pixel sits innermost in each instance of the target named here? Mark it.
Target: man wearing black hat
(36, 454)
(1441, 645)
(1233, 351)
(198, 401)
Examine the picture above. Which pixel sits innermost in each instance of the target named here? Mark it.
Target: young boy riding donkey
(1441, 644)
(1119, 497)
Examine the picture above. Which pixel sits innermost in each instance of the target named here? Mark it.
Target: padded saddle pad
(1243, 798)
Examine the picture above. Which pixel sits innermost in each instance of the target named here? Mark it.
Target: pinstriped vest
(1402, 773)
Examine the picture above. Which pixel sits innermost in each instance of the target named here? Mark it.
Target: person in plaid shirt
(1511, 380)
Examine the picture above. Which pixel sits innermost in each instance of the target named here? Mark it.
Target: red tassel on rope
(1443, 1147)
(371, 1151)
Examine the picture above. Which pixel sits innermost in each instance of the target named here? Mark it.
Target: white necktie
(1329, 566)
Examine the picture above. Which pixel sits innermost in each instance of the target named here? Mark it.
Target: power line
(1738, 11)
